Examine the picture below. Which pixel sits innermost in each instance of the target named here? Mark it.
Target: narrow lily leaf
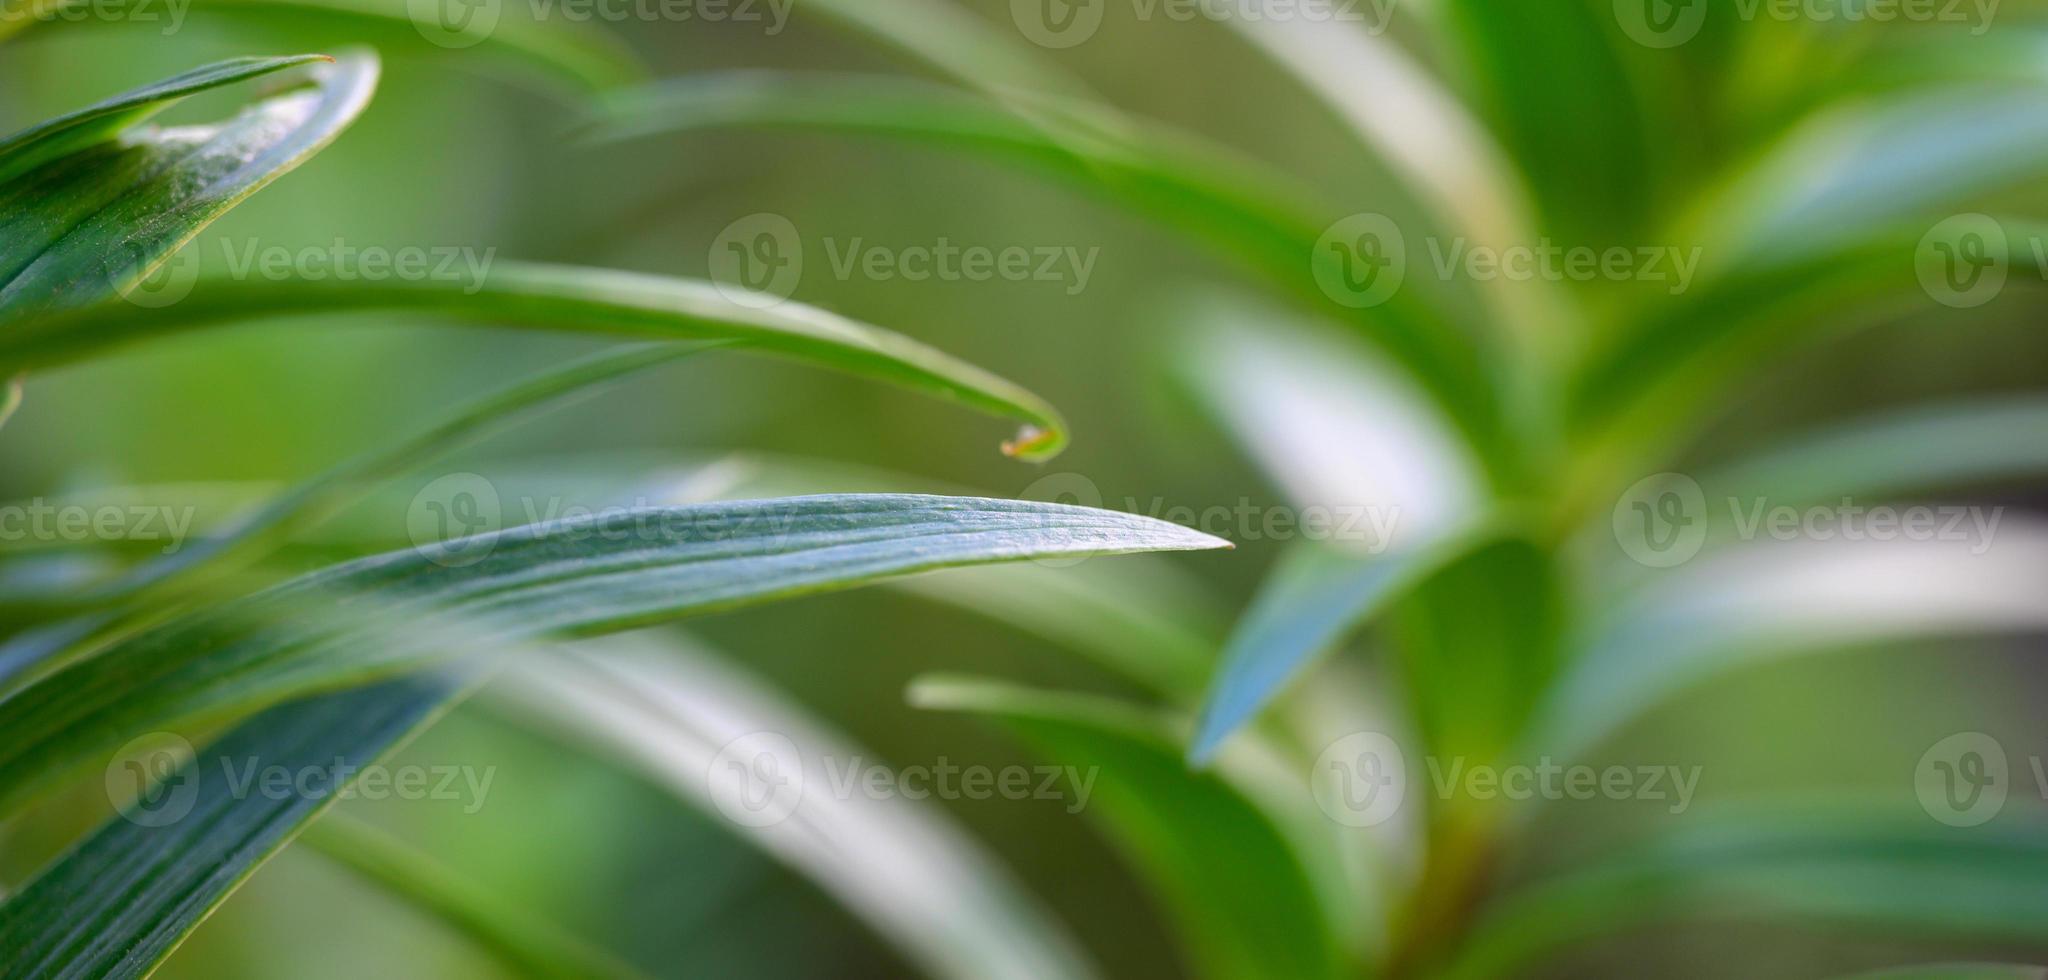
(601, 573)
(566, 298)
(1898, 453)
(1305, 608)
(1403, 115)
(1750, 603)
(1940, 886)
(1235, 205)
(1142, 619)
(122, 899)
(320, 496)
(79, 229)
(66, 134)
(1286, 394)
(577, 54)
(1243, 893)
(1859, 169)
(1401, 494)
(702, 731)
(205, 562)
(528, 945)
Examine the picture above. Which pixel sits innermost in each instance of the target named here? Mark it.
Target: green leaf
(1287, 393)
(601, 573)
(103, 121)
(1234, 205)
(561, 51)
(530, 946)
(122, 899)
(78, 229)
(1404, 495)
(1307, 606)
(1250, 895)
(10, 397)
(1553, 84)
(204, 564)
(1751, 603)
(321, 495)
(701, 730)
(596, 301)
(1911, 882)
(1898, 453)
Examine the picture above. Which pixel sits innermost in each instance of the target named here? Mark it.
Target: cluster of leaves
(1503, 419)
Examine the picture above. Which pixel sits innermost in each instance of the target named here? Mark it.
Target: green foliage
(1503, 421)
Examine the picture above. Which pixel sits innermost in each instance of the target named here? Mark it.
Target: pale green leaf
(702, 730)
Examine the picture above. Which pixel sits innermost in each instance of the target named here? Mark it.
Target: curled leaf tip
(1033, 443)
